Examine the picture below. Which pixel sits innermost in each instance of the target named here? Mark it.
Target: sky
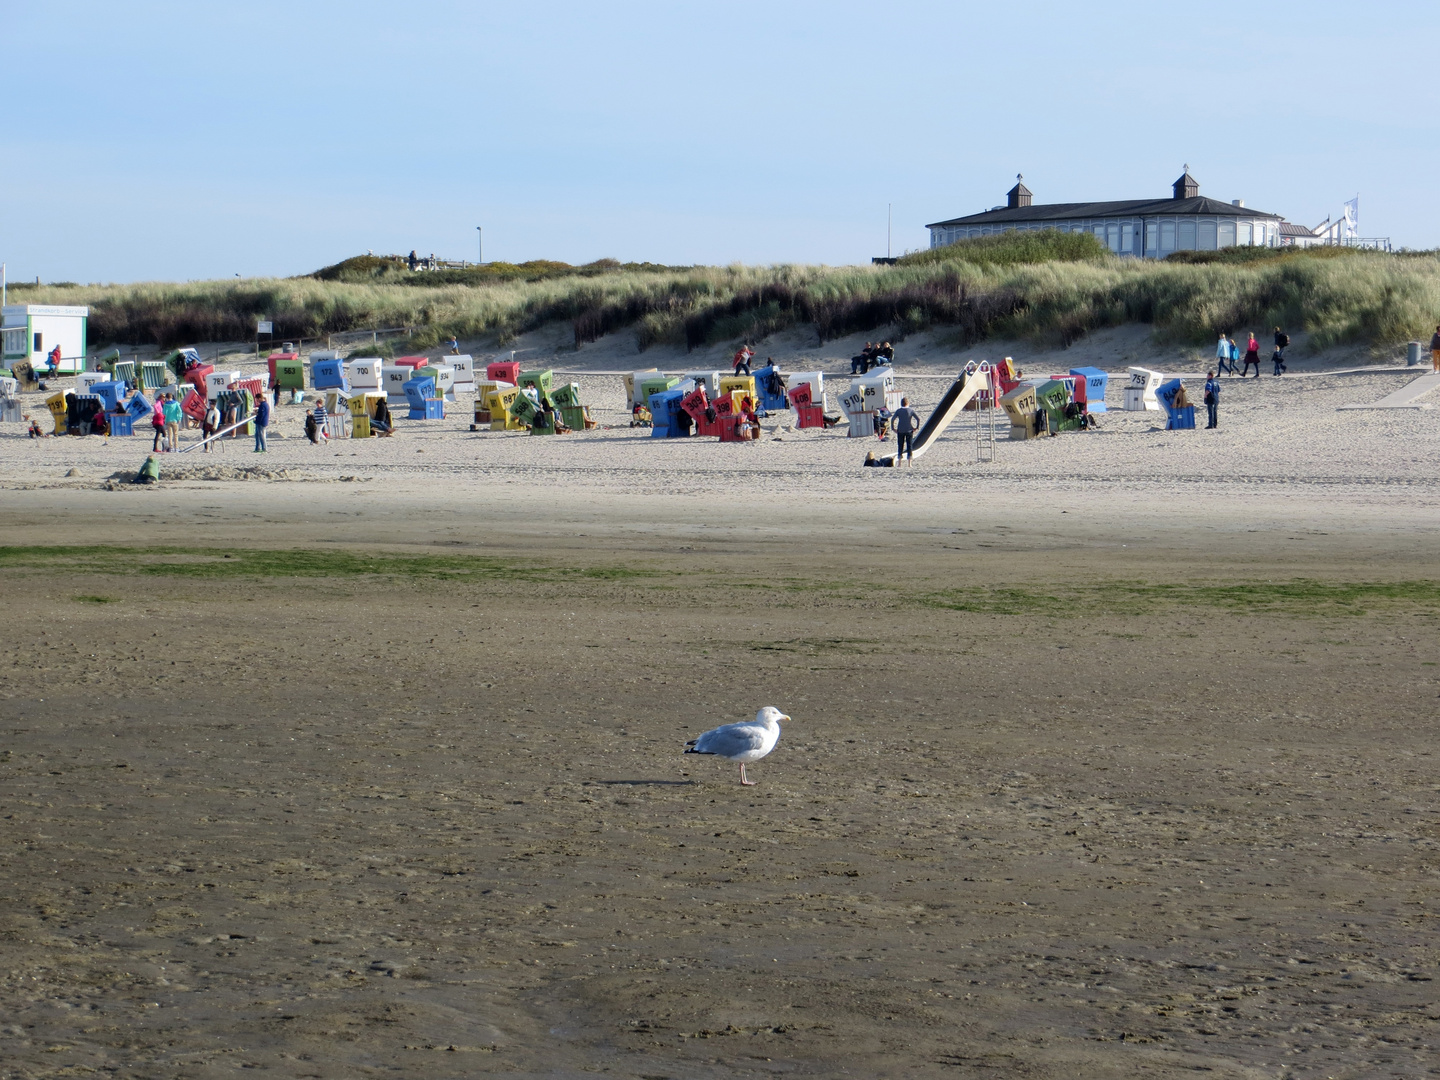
(181, 141)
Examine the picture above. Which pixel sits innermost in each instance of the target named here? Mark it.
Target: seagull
(745, 742)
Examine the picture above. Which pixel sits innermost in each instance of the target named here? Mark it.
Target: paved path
(1407, 397)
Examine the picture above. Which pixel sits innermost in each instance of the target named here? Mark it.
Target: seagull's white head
(770, 715)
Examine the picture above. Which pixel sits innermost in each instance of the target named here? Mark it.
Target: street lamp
(480, 239)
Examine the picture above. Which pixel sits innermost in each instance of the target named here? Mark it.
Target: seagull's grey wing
(731, 740)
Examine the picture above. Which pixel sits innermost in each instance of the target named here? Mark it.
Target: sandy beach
(1113, 757)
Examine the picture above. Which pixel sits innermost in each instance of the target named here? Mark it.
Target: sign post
(262, 326)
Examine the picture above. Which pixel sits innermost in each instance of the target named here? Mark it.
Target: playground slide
(951, 406)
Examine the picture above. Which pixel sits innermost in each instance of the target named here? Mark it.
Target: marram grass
(1055, 288)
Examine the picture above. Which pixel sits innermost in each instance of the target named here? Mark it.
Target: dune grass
(227, 563)
(1048, 287)
(1294, 597)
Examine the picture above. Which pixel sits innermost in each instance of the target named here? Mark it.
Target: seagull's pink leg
(747, 783)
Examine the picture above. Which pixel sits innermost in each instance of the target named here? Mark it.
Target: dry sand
(1036, 816)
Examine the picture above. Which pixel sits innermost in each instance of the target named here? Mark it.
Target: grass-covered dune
(1043, 285)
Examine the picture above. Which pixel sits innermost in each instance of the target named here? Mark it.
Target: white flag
(1352, 218)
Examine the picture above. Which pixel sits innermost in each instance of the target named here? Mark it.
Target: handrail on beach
(223, 431)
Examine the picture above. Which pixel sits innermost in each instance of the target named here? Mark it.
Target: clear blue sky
(172, 141)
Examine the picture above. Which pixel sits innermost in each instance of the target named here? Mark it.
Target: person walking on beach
(210, 425)
(157, 422)
(1252, 356)
(454, 346)
(1212, 400)
(1222, 355)
(742, 359)
(905, 421)
(1234, 357)
(262, 421)
(1282, 342)
(1435, 350)
(173, 416)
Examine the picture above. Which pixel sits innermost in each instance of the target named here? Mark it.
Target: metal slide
(951, 406)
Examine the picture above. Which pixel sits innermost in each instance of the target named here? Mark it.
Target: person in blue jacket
(262, 421)
(1212, 400)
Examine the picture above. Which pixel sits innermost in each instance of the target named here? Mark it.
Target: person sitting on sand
(887, 353)
(35, 432)
(749, 421)
(381, 420)
(557, 422)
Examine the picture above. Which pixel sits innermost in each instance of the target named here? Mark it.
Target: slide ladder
(977, 378)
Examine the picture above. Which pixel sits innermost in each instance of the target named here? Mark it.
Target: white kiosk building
(31, 331)
(1142, 228)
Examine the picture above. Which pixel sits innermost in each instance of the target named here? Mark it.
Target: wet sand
(1037, 814)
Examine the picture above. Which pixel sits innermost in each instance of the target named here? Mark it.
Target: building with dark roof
(1149, 228)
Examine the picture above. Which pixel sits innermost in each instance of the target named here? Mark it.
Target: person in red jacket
(157, 421)
(742, 359)
(1252, 356)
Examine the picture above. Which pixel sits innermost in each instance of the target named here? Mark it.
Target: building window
(15, 341)
(1167, 236)
(1127, 236)
(1152, 235)
(1226, 234)
(1187, 235)
(1243, 234)
(1205, 235)
(1112, 236)
(38, 346)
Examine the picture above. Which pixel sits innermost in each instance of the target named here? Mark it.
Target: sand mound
(216, 472)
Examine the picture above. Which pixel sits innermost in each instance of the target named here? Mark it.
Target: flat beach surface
(1113, 757)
